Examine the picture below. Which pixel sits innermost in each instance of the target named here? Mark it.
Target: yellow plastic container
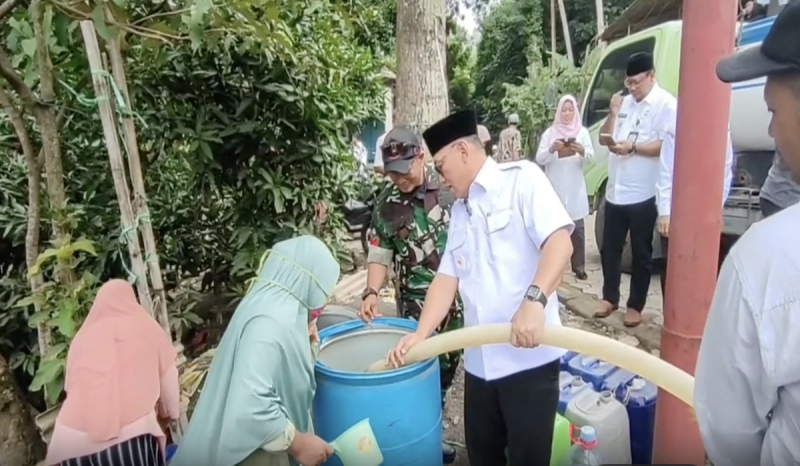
(357, 446)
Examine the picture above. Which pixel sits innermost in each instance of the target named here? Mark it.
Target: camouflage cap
(400, 147)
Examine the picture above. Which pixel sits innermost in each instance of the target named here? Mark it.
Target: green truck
(749, 118)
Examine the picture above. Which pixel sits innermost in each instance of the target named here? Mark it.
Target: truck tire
(599, 221)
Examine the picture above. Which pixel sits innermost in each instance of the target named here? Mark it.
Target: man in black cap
(508, 242)
(747, 385)
(409, 230)
(633, 132)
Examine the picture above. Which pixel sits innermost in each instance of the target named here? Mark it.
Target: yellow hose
(665, 375)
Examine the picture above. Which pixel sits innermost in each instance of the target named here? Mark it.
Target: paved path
(583, 296)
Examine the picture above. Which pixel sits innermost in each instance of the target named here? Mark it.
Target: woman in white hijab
(565, 146)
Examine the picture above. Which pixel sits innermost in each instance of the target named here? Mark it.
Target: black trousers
(516, 412)
(138, 451)
(639, 219)
(578, 237)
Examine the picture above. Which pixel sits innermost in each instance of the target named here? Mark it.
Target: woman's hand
(310, 450)
(313, 332)
(556, 146)
(577, 148)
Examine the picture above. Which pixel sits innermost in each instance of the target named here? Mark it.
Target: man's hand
(310, 450)
(527, 326)
(622, 148)
(663, 226)
(396, 356)
(615, 104)
(369, 309)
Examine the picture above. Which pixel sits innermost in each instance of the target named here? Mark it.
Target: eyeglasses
(634, 81)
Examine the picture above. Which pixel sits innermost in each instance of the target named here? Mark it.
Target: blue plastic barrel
(403, 406)
(593, 370)
(170, 452)
(566, 358)
(639, 397)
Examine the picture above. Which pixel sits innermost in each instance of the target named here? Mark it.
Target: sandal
(632, 322)
(606, 310)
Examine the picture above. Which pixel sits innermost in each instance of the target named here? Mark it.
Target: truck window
(610, 79)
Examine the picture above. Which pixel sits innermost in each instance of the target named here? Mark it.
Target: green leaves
(107, 31)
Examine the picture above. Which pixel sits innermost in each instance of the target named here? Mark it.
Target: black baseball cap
(779, 52)
(400, 147)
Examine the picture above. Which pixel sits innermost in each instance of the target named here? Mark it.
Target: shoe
(581, 275)
(448, 453)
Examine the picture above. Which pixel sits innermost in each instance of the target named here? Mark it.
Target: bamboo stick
(140, 208)
(108, 120)
(553, 27)
(565, 26)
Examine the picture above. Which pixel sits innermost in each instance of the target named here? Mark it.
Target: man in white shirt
(508, 241)
(664, 187)
(633, 132)
(747, 380)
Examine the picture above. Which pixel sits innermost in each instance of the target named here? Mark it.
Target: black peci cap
(779, 52)
(638, 63)
(449, 129)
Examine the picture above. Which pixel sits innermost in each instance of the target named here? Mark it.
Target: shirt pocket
(499, 232)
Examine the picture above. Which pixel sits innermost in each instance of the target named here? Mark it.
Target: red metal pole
(709, 28)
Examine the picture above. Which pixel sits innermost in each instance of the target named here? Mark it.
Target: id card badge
(632, 136)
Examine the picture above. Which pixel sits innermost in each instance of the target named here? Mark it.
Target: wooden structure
(642, 14)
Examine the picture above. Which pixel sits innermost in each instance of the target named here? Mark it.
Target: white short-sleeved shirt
(632, 178)
(493, 248)
(667, 168)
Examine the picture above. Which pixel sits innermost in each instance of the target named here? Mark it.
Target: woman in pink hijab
(120, 379)
(565, 146)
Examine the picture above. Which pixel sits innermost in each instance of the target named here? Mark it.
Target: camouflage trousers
(448, 362)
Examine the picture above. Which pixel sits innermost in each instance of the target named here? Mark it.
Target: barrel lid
(638, 383)
(577, 381)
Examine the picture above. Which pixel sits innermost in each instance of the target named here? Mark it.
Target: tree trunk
(20, 442)
(34, 208)
(422, 96)
(51, 141)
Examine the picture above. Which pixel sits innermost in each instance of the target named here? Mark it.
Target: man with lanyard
(747, 379)
(664, 187)
(633, 132)
(409, 229)
(510, 141)
(508, 241)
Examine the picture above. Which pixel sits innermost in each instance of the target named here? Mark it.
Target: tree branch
(7, 7)
(15, 80)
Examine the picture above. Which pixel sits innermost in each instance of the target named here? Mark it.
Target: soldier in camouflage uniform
(510, 144)
(409, 230)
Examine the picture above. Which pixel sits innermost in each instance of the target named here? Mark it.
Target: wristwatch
(367, 293)
(535, 294)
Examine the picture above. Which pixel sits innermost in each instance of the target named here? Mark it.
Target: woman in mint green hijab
(254, 408)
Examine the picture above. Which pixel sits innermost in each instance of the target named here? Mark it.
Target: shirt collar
(488, 176)
(650, 98)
